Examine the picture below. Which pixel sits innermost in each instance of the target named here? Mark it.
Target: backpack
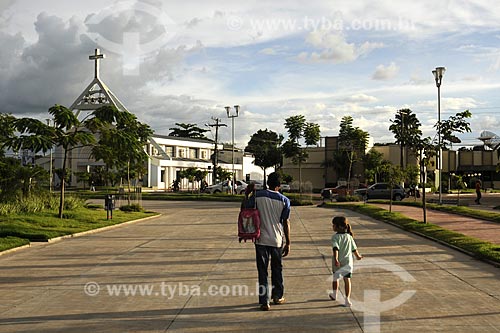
(249, 220)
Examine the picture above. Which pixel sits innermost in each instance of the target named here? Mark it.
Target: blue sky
(275, 59)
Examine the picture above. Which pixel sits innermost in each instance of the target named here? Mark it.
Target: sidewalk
(186, 272)
(481, 229)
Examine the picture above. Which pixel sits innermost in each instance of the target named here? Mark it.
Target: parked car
(241, 186)
(331, 192)
(285, 187)
(381, 191)
(217, 188)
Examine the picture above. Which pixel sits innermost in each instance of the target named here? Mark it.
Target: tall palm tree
(406, 129)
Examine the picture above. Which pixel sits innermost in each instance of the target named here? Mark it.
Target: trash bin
(109, 205)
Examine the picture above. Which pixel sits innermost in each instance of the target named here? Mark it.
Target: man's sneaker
(348, 303)
(333, 296)
(278, 301)
(265, 307)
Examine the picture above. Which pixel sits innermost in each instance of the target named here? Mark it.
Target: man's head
(273, 180)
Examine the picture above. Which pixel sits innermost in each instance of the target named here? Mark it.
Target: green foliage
(132, 208)
(454, 124)
(188, 131)
(10, 242)
(352, 142)
(37, 203)
(406, 129)
(347, 198)
(42, 226)
(264, 146)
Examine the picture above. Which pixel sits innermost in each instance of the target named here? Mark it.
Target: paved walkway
(481, 229)
(196, 277)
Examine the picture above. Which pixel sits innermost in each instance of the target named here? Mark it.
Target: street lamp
(438, 76)
(232, 116)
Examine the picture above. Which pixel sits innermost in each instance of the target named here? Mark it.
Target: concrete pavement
(189, 274)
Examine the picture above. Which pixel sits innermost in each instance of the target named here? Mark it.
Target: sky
(183, 62)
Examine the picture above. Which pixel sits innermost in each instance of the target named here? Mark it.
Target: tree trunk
(128, 181)
(63, 184)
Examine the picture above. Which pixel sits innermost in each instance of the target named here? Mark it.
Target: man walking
(274, 241)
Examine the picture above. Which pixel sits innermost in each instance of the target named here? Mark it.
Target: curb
(93, 231)
(79, 234)
(15, 249)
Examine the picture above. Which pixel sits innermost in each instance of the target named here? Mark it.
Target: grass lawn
(10, 242)
(478, 248)
(19, 229)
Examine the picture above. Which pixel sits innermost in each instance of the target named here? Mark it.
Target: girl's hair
(250, 189)
(341, 224)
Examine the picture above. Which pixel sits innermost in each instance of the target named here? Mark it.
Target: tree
(121, 140)
(189, 174)
(223, 174)
(297, 129)
(68, 133)
(352, 142)
(394, 176)
(264, 145)
(406, 129)
(454, 124)
(311, 134)
(188, 131)
(374, 164)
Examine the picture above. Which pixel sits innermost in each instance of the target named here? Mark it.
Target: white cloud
(360, 98)
(335, 48)
(386, 72)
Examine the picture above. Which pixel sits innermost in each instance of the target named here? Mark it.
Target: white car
(223, 187)
(285, 187)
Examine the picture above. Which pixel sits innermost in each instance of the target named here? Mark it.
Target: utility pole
(216, 152)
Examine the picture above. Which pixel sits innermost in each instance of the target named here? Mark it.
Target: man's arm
(286, 229)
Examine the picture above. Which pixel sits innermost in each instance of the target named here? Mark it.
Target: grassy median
(19, 229)
(476, 247)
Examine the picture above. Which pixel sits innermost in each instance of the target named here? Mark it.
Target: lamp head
(228, 108)
(438, 75)
(237, 108)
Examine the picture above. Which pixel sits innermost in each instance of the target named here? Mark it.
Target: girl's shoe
(333, 296)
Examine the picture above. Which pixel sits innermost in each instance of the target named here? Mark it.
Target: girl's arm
(358, 256)
(336, 256)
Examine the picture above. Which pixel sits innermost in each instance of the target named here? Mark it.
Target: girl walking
(342, 263)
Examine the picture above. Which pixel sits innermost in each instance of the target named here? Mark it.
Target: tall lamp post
(232, 116)
(438, 76)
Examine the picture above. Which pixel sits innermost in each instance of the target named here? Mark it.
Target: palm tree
(188, 131)
(406, 129)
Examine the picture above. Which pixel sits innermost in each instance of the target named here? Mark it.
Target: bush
(132, 208)
(348, 198)
(39, 202)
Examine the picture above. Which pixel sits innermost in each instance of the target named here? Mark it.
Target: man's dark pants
(263, 253)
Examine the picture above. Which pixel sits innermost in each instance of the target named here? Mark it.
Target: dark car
(332, 192)
(381, 191)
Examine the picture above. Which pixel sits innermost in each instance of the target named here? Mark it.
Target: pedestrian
(342, 262)
(274, 241)
(478, 192)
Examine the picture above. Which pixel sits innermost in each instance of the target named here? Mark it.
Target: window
(169, 150)
(193, 153)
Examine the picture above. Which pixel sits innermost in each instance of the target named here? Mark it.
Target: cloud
(386, 72)
(334, 48)
(360, 98)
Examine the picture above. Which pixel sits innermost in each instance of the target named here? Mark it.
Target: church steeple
(97, 94)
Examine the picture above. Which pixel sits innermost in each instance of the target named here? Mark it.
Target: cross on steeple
(96, 57)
